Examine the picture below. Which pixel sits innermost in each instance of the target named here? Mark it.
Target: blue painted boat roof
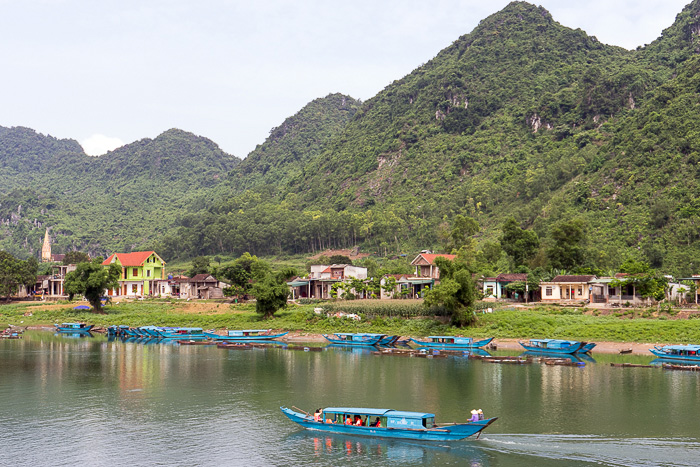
(682, 347)
(378, 412)
(359, 334)
(249, 330)
(554, 341)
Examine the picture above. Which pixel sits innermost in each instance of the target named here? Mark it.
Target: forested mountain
(587, 146)
(123, 200)
(521, 118)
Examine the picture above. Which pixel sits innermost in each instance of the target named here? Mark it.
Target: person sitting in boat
(377, 423)
(480, 413)
(475, 416)
(318, 415)
(348, 420)
(358, 421)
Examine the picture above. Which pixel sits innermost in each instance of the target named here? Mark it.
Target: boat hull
(447, 346)
(218, 337)
(85, 330)
(365, 342)
(571, 350)
(449, 433)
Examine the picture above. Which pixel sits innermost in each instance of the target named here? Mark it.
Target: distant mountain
(521, 117)
(122, 200)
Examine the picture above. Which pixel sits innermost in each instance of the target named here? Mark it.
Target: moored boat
(350, 338)
(677, 352)
(553, 346)
(452, 342)
(386, 423)
(181, 333)
(245, 335)
(73, 327)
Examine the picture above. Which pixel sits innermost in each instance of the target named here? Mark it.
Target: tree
(456, 291)
(271, 292)
(463, 228)
(200, 265)
(75, 257)
(389, 286)
(91, 279)
(569, 237)
(15, 272)
(339, 259)
(518, 243)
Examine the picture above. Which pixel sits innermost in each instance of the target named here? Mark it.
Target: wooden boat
(392, 424)
(553, 346)
(452, 342)
(389, 340)
(245, 335)
(74, 327)
(349, 338)
(631, 365)
(678, 352)
(192, 342)
(625, 351)
(668, 366)
(233, 346)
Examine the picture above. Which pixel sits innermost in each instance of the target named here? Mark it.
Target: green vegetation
(14, 273)
(573, 153)
(91, 280)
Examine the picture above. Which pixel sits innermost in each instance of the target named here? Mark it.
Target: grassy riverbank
(571, 323)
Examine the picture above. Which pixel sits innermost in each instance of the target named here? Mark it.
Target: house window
(580, 290)
(148, 273)
(489, 291)
(134, 288)
(135, 272)
(548, 291)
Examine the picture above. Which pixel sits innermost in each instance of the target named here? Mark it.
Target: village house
(321, 278)
(201, 286)
(140, 272)
(51, 285)
(567, 287)
(425, 264)
(495, 287)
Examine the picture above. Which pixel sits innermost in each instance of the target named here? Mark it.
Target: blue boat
(588, 347)
(553, 346)
(391, 424)
(350, 338)
(74, 327)
(452, 342)
(246, 335)
(677, 352)
(181, 333)
(389, 340)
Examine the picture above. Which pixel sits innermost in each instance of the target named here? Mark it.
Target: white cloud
(98, 144)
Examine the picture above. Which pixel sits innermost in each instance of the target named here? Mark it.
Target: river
(90, 401)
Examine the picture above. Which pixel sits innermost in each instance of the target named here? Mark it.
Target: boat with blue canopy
(351, 338)
(385, 423)
(553, 346)
(452, 342)
(677, 352)
(74, 327)
(181, 333)
(245, 335)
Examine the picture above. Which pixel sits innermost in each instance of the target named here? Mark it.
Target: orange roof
(130, 259)
(430, 257)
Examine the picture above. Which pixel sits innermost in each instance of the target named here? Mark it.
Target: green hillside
(123, 200)
(522, 117)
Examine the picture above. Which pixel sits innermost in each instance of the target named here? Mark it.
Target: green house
(141, 270)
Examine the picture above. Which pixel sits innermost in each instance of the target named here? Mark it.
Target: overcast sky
(107, 73)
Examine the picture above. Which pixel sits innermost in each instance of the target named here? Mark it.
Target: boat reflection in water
(375, 450)
(73, 335)
(353, 348)
(573, 358)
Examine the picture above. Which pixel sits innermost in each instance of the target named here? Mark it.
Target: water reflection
(573, 358)
(73, 335)
(373, 450)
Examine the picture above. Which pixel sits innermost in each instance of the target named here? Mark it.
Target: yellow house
(139, 270)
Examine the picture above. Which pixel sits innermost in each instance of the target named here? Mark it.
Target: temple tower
(46, 248)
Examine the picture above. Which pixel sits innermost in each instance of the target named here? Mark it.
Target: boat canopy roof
(449, 337)
(378, 412)
(358, 334)
(682, 347)
(553, 341)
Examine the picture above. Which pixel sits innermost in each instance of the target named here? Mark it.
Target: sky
(107, 73)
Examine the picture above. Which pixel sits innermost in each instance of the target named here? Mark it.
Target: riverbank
(507, 325)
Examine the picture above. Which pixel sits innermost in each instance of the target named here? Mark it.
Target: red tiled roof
(129, 259)
(203, 278)
(570, 279)
(430, 257)
(328, 269)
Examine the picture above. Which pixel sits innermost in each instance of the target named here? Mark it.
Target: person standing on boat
(318, 416)
(475, 416)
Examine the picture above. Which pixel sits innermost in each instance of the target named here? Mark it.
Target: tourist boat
(392, 424)
(181, 333)
(389, 340)
(245, 335)
(677, 352)
(588, 347)
(452, 342)
(74, 327)
(350, 338)
(553, 346)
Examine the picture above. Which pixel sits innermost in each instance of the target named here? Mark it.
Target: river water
(90, 401)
